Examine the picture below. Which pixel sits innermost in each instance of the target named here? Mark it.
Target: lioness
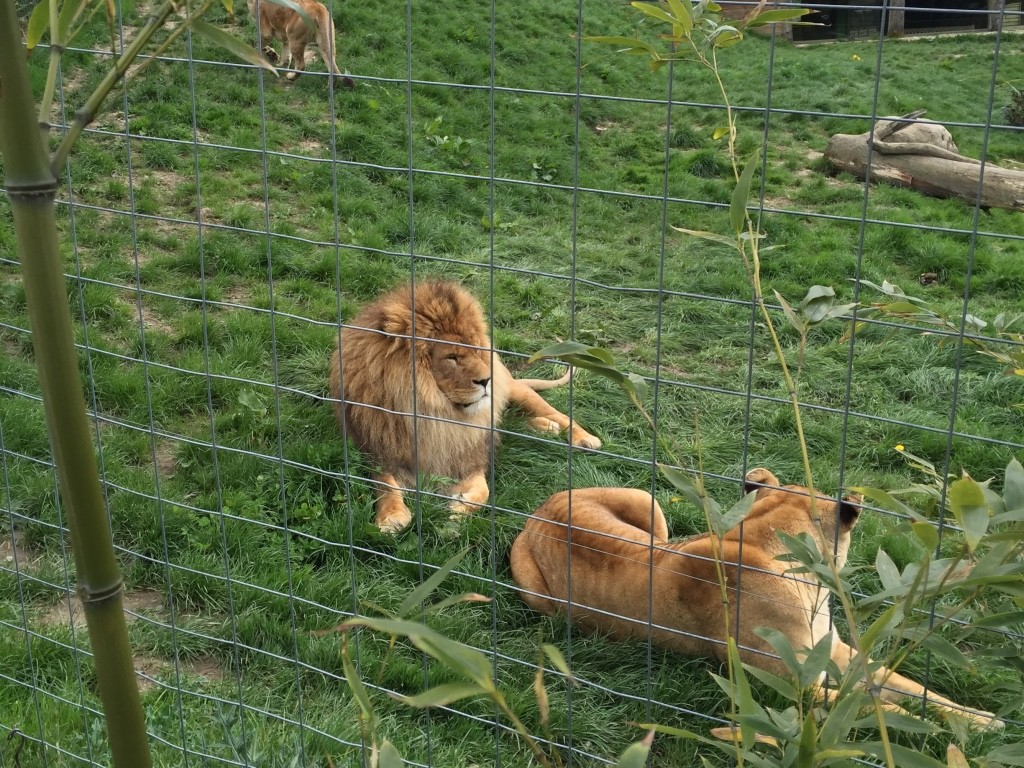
(279, 23)
(453, 391)
(614, 558)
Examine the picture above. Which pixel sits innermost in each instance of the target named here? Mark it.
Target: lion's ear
(758, 479)
(849, 510)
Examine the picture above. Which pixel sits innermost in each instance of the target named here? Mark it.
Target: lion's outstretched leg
(894, 687)
(544, 417)
(469, 494)
(392, 513)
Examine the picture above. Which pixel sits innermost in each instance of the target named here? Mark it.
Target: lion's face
(462, 374)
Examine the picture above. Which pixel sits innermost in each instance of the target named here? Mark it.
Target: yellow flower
(899, 447)
(855, 57)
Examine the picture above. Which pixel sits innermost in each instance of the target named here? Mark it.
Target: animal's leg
(392, 513)
(544, 417)
(630, 505)
(296, 57)
(468, 494)
(893, 687)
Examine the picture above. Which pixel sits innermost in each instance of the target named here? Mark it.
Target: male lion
(279, 23)
(627, 578)
(457, 390)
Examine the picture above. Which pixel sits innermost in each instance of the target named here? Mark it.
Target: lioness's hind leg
(392, 513)
(544, 417)
(469, 494)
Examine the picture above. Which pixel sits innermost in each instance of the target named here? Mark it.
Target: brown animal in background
(619, 544)
(277, 22)
(459, 390)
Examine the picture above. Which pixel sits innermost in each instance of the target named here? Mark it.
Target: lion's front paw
(468, 496)
(544, 424)
(584, 439)
(393, 518)
(270, 54)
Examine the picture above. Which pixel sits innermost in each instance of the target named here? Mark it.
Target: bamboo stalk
(32, 187)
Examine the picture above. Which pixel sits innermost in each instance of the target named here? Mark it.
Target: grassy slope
(202, 399)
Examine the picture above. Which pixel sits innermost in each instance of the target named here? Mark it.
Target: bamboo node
(31, 190)
(99, 596)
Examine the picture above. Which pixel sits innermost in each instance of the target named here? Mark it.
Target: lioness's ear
(849, 510)
(757, 479)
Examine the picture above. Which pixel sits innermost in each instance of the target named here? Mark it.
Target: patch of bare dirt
(150, 668)
(166, 461)
(71, 613)
(16, 551)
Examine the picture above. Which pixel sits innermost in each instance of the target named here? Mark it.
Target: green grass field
(213, 255)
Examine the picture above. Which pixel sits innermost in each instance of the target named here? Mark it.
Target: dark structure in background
(867, 18)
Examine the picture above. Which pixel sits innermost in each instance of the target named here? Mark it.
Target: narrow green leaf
(777, 16)
(908, 724)
(744, 696)
(945, 650)
(888, 573)
(442, 695)
(886, 501)
(625, 44)
(790, 314)
(927, 534)
(389, 757)
(808, 740)
(740, 195)
(231, 44)
(785, 688)
(683, 484)
(782, 647)
(682, 10)
(38, 23)
(355, 685)
(655, 12)
(636, 386)
(720, 131)
(419, 595)
(1008, 754)
(816, 661)
(557, 350)
(729, 242)
(1013, 486)
(879, 627)
(817, 303)
(229, 6)
(636, 754)
(841, 719)
(1000, 620)
(69, 11)
(558, 661)
(725, 36)
(967, 501)
(902, 756)
(738, 512)
(466, 597)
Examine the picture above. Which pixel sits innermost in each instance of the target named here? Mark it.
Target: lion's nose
(482, 382)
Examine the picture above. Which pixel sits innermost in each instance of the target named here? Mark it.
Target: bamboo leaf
(38, 23)
(726, 36)
(790, 314)
(69, 11)
(817, 303)
(636, 754)
(902, 756)
(682, 484)
(955, 758)
(926, 533)
(738, 512)
(231, 44)
(229, 6)
(557, 350)
(419, 595)
(967, 501)
(683, 11)
(776, 16)
(805, 756)
(1013, 486)
(632, 45)
(888, 573)
(781, 645)
(389, 757)
(442, 695)
(714, 237)
(466, 597)
(719, 133)
(541, 694)
(744, 696)
(740, 195)
(355, 684)
(558, 661)
(655, 13)
(776, 683)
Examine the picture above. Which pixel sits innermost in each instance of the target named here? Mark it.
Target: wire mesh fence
(222, 227)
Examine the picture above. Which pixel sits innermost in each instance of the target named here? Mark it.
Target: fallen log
(921, 155)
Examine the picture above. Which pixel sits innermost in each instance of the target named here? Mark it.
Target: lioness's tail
(326, 41)
(538, 385)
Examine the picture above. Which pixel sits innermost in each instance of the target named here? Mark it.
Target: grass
(230, 492)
